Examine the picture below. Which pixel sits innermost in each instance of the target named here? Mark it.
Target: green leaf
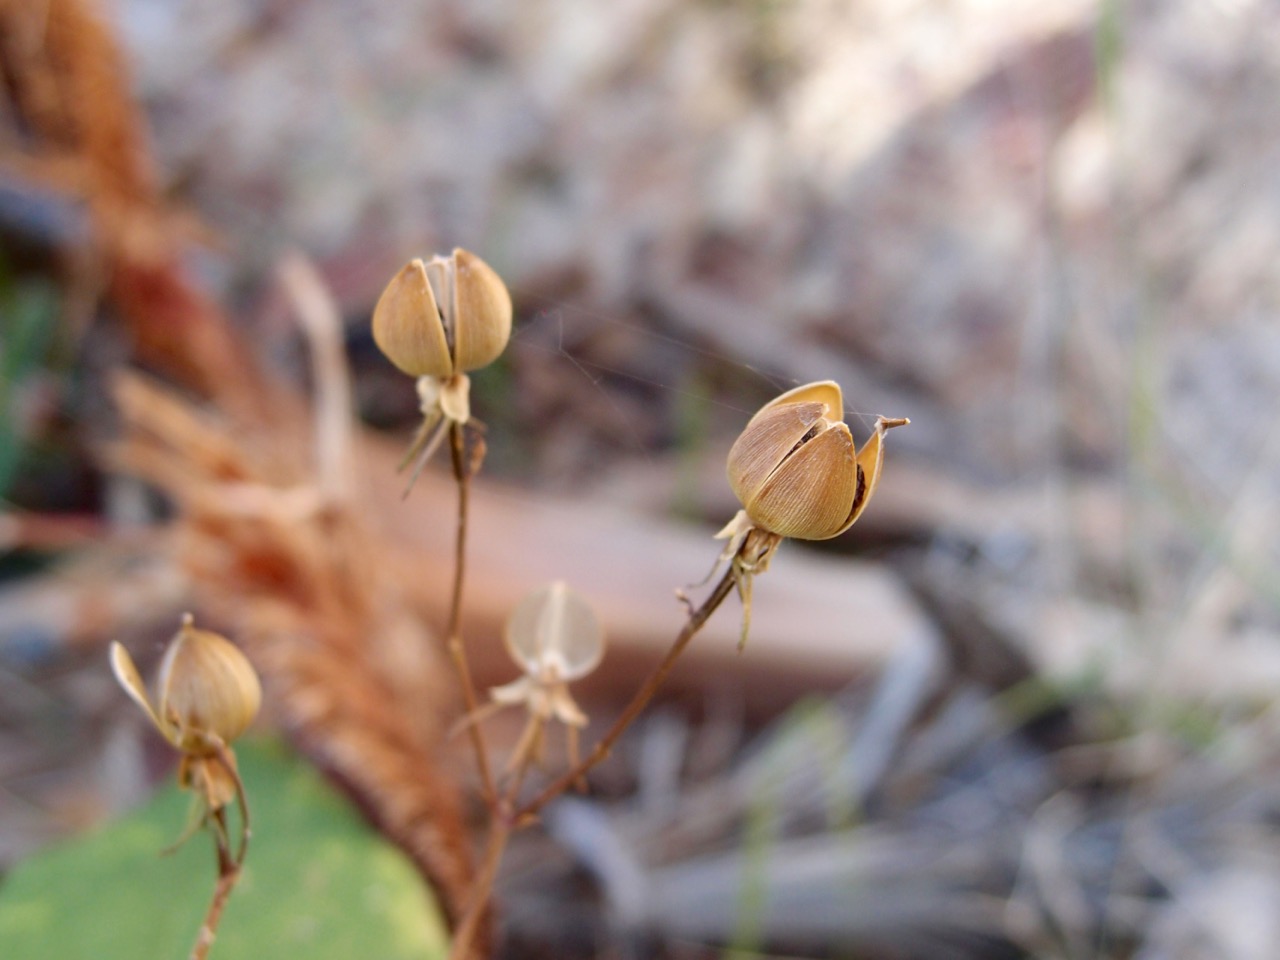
(317, 883)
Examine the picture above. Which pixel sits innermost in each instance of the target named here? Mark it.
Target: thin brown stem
(501, 827)
(697, 618)
(457, 652)
(507, 818)
(521, 760)
(477, 906)
(524, 749)
(463, 479)
(228, 874)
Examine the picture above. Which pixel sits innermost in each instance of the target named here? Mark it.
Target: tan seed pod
(443, 317)
(795, 467)
(205, 688)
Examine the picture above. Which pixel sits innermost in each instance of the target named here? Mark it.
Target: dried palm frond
(297, 577)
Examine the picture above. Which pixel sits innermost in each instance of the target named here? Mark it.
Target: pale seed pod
(553, 634)
(554, 637)
(205, 688)
(443, 317)
(795, 467)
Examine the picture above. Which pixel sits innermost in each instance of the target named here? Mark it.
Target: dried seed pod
(795, 468)
(205, 689)
(206, 695)
(443, 317)
(797, 473)
(436, 320)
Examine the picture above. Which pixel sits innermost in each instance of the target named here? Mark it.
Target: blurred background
(1025, 708)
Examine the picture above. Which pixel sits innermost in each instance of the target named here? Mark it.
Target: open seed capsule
(795, 468)
(443, 317)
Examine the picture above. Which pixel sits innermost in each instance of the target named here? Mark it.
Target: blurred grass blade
(28, 317)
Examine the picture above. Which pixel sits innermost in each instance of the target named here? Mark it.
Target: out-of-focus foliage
(317, 883)
(27, 309)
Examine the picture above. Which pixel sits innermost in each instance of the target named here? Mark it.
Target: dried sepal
(210, 777)
(425, 441)
(871, 462)
(543, 699)
(748, 552)
(453, 397)
(126, 673)
(407, 325)
(482, 312)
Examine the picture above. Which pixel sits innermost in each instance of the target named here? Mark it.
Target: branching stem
(503, 824)
(697, 618)
(507, 817)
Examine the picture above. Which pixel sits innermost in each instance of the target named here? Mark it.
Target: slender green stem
(457, 651)
(641, 699)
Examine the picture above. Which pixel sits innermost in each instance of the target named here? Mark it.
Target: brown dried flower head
(795, 467)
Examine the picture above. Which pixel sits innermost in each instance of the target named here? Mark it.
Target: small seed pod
(205, 689)
(795, 468)
(554, 637)
(443, 317)
(554, 633)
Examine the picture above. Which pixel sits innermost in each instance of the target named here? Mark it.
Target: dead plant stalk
(228, 865)
(457, 650)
